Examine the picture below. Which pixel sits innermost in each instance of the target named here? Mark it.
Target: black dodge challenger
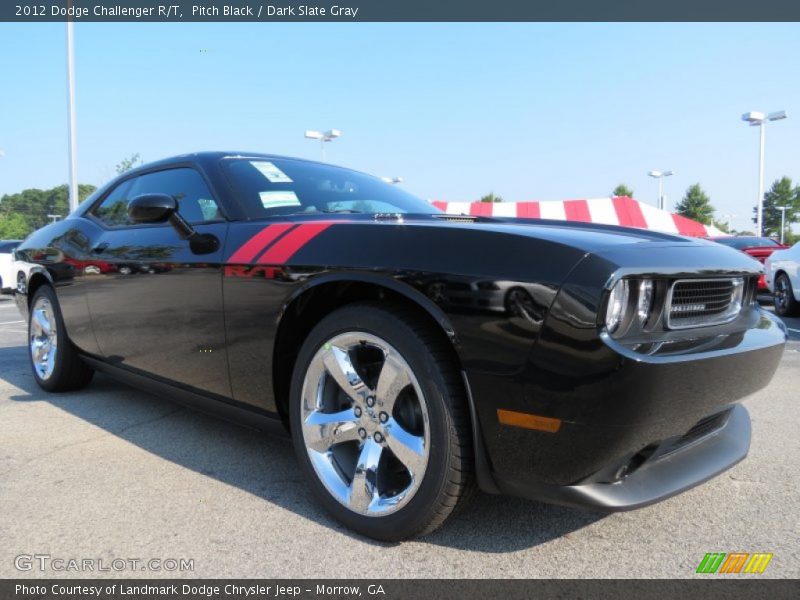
(412, 355)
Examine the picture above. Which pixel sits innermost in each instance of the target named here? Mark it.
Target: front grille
(703, 302)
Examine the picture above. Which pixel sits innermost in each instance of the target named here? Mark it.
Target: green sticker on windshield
(278, 198)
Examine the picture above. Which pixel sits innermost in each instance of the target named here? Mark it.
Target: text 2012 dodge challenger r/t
(411, 354)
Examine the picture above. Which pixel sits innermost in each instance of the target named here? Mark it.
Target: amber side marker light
(528, 421)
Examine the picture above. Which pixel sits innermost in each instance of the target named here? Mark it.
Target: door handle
(100, 248)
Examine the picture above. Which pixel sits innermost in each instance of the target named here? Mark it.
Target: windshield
(274, 187)
(742, 242)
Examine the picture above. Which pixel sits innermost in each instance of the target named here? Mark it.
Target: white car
(8, 274)
(783, 280)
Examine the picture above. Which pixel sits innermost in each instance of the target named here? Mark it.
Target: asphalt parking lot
(114, 473)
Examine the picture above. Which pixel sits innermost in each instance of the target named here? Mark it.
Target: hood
(588, 237)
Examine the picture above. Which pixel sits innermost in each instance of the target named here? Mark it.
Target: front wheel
(785, 303)
(380, 421)
(56, 365)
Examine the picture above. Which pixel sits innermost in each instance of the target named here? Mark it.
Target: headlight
(617, 303)
(645, 301)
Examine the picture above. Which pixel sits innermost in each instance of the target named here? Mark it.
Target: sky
(527, 111)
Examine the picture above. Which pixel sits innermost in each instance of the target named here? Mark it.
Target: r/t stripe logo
(276, 244)
(716, 562)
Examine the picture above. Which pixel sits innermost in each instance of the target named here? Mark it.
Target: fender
(36, 269)
(380, 280)
(483, 470)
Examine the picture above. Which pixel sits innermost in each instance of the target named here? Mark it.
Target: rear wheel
(785, 303)
(56, 364)
(379, 422)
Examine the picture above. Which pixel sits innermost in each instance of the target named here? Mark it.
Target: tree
(780, 194)
(721, 225)
(696, 205)
(34, 205)
(126, 164)
(13, 227)
(491, 197)
(622, 190)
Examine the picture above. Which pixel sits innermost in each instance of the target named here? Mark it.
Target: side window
(113, 211)
(195, 202)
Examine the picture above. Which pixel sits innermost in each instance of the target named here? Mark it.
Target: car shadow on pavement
(264, 465)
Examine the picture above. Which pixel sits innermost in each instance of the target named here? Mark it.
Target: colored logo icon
(735, 562)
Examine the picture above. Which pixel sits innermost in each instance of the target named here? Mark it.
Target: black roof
(212, 156)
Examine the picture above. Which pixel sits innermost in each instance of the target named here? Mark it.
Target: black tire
(785, 303)
(448, 475)
(69, 371)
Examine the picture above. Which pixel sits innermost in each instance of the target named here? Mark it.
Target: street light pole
(73, 149)
(760, 211)
(660, 176)
(728, 217)
(783, 210)
(759, 119)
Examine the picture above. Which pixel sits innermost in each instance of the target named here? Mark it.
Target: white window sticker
(278, 198)
(270, 171)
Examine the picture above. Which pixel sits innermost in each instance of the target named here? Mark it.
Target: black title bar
(399, 10)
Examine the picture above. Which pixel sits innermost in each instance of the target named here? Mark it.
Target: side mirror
(152, 208)
(160, 208)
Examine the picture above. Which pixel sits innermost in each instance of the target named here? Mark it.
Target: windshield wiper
(341, 210)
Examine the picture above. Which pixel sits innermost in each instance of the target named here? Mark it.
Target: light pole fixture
(759, 119)
(783, 210)
(323, 136)
(392, 180)
(660, 176)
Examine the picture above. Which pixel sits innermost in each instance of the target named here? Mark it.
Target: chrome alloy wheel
(365, 423)
(43, 338)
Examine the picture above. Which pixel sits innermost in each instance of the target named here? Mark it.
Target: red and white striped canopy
(619, 210)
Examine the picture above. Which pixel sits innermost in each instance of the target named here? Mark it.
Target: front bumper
(663, 475)
(618, 412)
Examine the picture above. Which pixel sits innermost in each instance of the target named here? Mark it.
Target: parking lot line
(12, 322)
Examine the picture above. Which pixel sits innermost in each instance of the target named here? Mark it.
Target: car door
(155, 302)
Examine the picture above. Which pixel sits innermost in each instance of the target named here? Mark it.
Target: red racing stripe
(480, 209)
(628, 212)
(577, 210)
(442, 206)
(286, 247)
(252, 247)
(528, 210)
